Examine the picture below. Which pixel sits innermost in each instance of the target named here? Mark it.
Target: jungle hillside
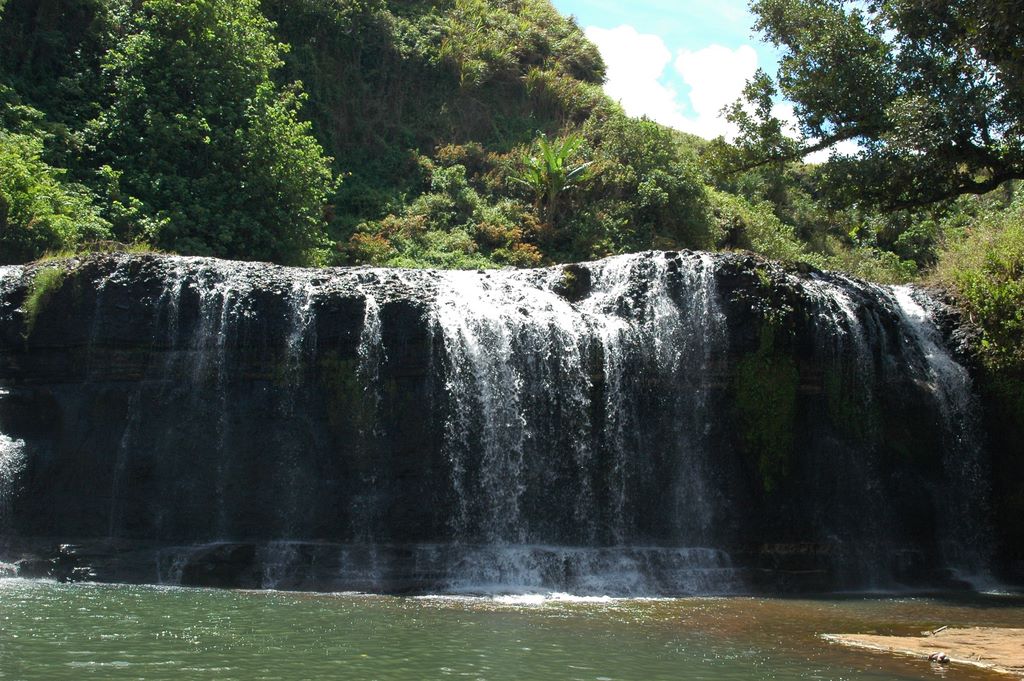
(476, 134)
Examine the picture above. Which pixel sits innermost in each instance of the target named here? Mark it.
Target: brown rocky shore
(993, 648)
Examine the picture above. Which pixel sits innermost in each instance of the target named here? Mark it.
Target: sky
(677, 62)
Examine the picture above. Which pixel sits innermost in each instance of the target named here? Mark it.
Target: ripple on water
(54, 631)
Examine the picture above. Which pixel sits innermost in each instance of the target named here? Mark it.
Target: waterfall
(843, 342)
(515, 375)
(950, 384)
(302, 332)
(677, 323)
(541, 389)
(521, 374)
(371, 350)
(576, 427)
(12, 461)
(12, 451)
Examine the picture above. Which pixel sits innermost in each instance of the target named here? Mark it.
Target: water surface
(54, 631)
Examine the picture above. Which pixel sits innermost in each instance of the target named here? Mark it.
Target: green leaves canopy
(201, 135)
(39, 210)
(933, 92)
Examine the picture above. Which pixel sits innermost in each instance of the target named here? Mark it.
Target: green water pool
(90, 631)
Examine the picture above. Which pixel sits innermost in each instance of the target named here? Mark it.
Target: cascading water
(675, 328)
(12, 451)
(370, 351)
(845, 343)
(512, 350)
(580, 428)
(12, 461)
(962, 458)
(529, 420)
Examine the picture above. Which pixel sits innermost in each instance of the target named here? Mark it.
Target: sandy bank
(997, 649)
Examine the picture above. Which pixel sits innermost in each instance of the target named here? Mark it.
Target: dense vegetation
(933, 93)
(475, 133)
(463, 133)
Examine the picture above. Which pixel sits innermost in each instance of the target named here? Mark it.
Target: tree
(39, 210)
(932, 92)
(197, 130)
(647, 190)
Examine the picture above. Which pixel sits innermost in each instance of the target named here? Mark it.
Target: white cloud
(636, 63)
(785, 113)
(638, 71)
(716, 76)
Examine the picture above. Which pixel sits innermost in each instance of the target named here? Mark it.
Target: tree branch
(802, 151)
(951, 192)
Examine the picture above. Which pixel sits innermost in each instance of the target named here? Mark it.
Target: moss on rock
(348, 406)
(848, 409)
(766, 385)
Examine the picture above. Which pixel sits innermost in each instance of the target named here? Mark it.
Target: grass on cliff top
(47, 281)
(98, 247)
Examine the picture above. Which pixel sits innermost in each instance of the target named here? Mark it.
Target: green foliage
(986, 270)
(94, 247)
(50, 53)
(375, 83)
(39, 210)
(201, 136)
(487, 40)
(549, 173)
(392, 81)
(640, 187)
(983, 265)
(45, 284)
(871, 263)
(741, 224)
(787, 218)
(933, 92)
(646, 190)
(452, 226)
(475, 133)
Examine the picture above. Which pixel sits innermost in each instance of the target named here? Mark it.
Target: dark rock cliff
(657, 423)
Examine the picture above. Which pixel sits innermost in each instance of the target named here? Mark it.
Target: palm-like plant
(550, 174)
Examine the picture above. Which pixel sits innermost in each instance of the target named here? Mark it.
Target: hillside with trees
(468, 133)
(475, 134)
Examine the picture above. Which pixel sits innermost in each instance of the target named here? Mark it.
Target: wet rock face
(654, 423)
(575, 283)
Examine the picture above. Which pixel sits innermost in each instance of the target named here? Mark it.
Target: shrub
(39, 210)
(741, 224)
(985, 269)
(206, 141)
(451, 226)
